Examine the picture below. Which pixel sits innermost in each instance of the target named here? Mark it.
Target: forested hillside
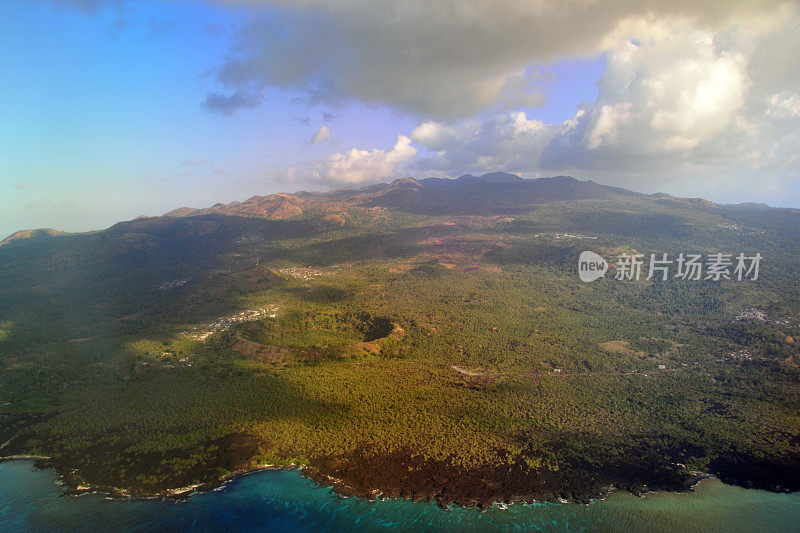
(427, 338)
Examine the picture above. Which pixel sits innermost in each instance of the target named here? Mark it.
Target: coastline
(407, 476)
(338, 486)
(404, 474)
(286, 500)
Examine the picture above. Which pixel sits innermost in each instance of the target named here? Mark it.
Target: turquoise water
(285, 501)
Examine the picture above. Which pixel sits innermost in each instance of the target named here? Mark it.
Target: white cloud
(670, 93)
(705, 110)
(322, 134)
(445, 59)
(505, 141)
(361, 166)
(784, 105)
(691, 100)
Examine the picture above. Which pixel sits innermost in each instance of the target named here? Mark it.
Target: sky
(110, 109)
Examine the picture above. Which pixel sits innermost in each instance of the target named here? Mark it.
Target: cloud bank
(444, 59)
(704, 92)
(700, 89)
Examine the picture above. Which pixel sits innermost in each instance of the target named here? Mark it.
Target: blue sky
(105, 111)
(102, 116)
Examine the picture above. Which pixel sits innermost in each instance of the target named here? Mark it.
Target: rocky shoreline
(638, 468)
(403, 475)
(442, 496)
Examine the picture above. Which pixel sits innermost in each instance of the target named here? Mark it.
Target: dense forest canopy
(439, 325)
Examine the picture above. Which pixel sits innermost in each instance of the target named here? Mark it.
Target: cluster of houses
(752, 313)
(249, 315)
(740, 355)
(307, 273)
(729, 226)
(167, 285)
(563, 236)
(248, 239)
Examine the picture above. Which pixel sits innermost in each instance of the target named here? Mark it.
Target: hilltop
(41, 233)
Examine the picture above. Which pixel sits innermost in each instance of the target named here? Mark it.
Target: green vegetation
(467, 339)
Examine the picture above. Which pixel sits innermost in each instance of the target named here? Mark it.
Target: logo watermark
(685, 266)
(591, 266)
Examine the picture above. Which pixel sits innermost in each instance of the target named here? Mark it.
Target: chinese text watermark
(684, 266)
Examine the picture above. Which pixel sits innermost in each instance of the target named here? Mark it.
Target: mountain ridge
(500, 192)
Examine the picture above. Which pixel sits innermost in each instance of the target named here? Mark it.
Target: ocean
(283, 500)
